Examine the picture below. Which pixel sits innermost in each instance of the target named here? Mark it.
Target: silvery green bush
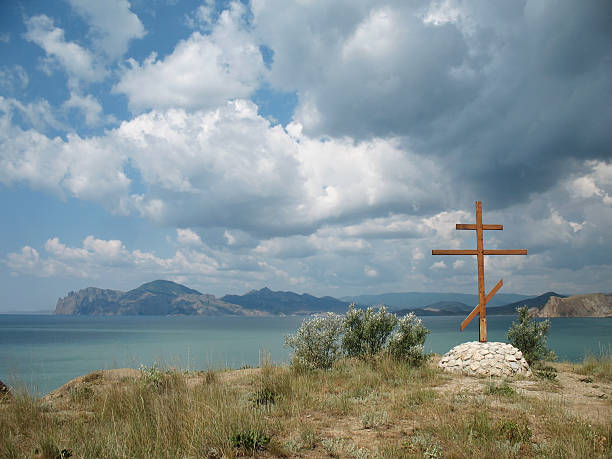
(408, 340)
(366, 331)
(529, 336)
(316, 343)
(362, 333)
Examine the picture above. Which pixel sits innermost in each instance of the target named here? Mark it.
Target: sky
(314, 146)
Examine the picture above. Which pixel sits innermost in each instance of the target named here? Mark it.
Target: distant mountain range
(411, 300)
(279, 303)
(451, 308)
(155, 298)
(162, 297)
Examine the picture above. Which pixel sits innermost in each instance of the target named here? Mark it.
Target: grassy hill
(358, 409)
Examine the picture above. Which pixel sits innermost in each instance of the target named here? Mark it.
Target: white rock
(491, 358)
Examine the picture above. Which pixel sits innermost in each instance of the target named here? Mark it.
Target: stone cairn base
(485, 359)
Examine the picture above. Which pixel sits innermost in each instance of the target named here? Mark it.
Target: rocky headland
(156, 298)
(162, 297)
(590, 305)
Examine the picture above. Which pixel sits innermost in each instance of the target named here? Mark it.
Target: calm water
(45, 351)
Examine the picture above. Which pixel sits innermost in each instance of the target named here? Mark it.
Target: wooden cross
(480, 252)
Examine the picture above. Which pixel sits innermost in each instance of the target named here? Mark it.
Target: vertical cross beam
(482, 329)
(480, 252)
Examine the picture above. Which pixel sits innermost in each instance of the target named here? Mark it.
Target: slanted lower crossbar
(477, 309)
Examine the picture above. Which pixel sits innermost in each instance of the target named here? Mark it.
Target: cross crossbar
(476, 310)
(475, 252)
(480, 252)
(471, 226)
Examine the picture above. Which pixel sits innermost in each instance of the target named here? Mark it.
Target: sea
(42, 352)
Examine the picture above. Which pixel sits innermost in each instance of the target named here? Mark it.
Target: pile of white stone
(485, 359)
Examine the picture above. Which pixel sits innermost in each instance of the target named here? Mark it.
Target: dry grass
(597, 367)
(378, 408)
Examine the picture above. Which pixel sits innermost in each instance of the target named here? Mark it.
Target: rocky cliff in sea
(590, 305)
(89, 300)
(155, 298)
(534, 304)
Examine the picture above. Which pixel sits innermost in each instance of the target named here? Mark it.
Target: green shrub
(514, 431)
(425, 443)
(251, 439)
(264, 397)
(363, 333)
(407, 342)
(316, 344)
(366, 331)
(545, 371)
(504, 389)
(152, 377)
(370, 420)
(480, 427)
(529, 336)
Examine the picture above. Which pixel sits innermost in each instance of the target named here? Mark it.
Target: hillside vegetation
(359, 408)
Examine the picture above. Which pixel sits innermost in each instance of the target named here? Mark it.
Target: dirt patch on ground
(97, 380)
(582, 396)
(65, 400)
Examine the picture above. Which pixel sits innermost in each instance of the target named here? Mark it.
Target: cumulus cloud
(96, 256)
(188, 237)
(202, 17)
(597, 183)
(13, 78)
(89, 169)
(438, 265)
(78, 62)
(39, 115)
(507, 95)
(202, 72)
(24, 261)
(230, 168)
(28, 261)
(287, 247)
(364, 68)
(91, 109)
(334, 260)
(113, 24)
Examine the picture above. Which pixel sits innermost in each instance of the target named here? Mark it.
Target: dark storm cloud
(511, 96)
